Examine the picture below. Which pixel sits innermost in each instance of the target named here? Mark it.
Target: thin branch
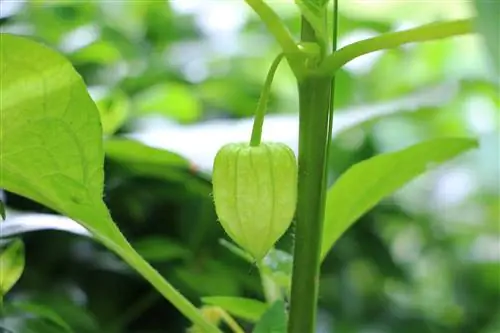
(428, 32)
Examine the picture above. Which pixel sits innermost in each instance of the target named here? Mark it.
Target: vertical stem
(314, 102)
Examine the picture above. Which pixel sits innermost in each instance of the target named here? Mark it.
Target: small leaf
(245, 308)
(488, 25)
(11, 265)
(362, 186)
(274, 320)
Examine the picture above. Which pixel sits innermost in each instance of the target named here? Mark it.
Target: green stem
(121, 247)
(258, 122)
(330, 114)
(280, 32)
(428, 32)
(314, 102)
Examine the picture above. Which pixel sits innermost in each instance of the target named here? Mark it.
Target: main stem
(314, 102)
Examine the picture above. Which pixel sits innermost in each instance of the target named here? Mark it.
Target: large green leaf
(11, 265)
(488, 25)
(52, 149)
(245, 308)
(51, 134)
(362, 186)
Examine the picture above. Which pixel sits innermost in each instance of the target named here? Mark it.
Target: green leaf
(114, 110)
(274, 320)
(362, 186)
(52, 150)
(144, 160)
(41, 311)
(175, 101)
(131, 152)
(160, 249)
(245, 308)
(52, 138)
(315, 14)
(488, 25)
(11, 265)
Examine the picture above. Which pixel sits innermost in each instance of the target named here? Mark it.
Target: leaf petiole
(428, 32)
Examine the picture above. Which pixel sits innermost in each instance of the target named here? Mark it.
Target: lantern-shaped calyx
(255, 193)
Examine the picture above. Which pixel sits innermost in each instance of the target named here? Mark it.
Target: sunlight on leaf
(362, 186)
(52, 149)
(52, 139)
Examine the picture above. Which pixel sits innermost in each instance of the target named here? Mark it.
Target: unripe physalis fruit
(255, 193)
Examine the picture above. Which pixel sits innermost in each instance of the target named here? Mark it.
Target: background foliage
(176, 75)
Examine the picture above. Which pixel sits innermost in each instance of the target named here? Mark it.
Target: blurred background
(185, 76)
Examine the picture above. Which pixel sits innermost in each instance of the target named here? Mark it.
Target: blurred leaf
(172, 100)
(424, 65)
(278, 266)
(99, 52)
(488, 24)
(245, 308)
(77, 317)
(160, 249)
(273, 320)
(31, 325)
(20, 223)
(2, 210)
(366, 183)
(213, 279)
(11, 265)
(132, 152)
(41, 311)
(114, 110)
(145, 160)
(68, 18)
